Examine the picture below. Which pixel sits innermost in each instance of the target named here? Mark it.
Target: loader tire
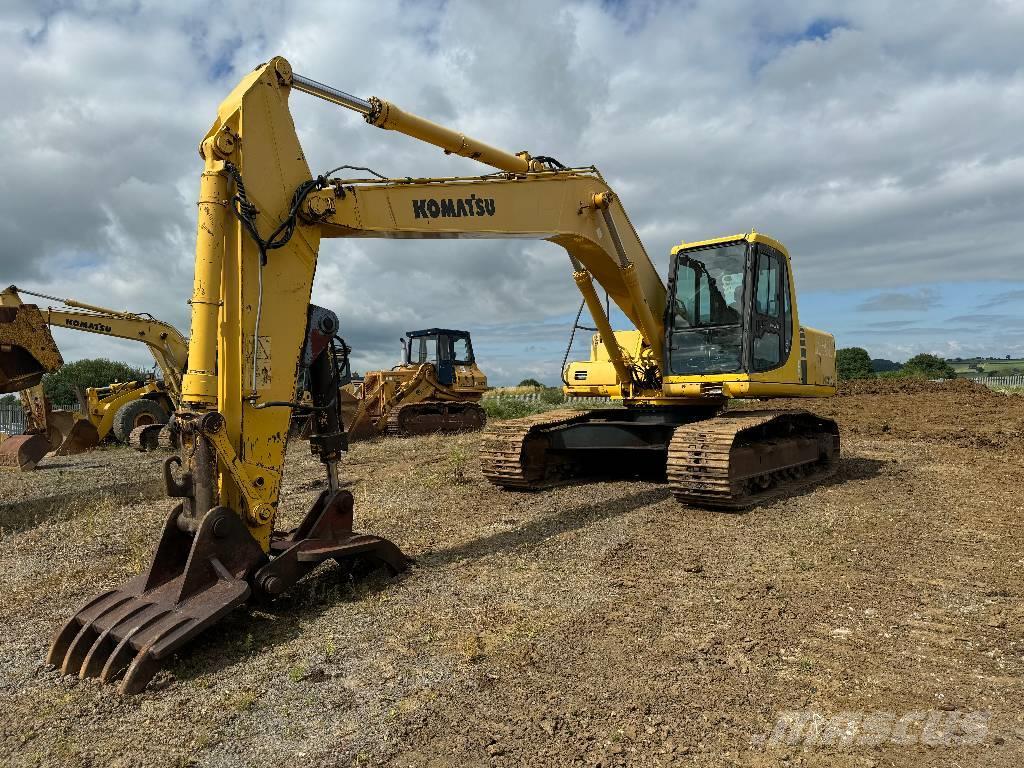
(137, 413)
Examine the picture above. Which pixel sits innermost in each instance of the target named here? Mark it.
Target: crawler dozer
(133, 411)
(726, 326)
(436, 388)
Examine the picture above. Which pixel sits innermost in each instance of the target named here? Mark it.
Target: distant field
(1001, 367)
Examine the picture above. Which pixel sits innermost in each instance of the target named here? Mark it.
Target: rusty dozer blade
(195, 580)
(23, 452)
(79, 436)
(27, 348)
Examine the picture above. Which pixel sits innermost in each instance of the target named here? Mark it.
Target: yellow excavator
(436, 388)
(726, 326)
(133, 411)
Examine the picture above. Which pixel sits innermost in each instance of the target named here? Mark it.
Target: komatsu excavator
(725, 327)
(436, 388)
(134, 411)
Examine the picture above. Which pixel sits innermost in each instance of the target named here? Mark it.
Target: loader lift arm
(261, 218)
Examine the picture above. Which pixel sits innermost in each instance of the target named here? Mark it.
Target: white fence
(535, 397)
(998, 381)
(12, 417)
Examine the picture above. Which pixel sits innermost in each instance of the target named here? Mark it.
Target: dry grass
(595, 624)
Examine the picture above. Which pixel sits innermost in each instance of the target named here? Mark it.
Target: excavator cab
(442, 347)
(732, 320)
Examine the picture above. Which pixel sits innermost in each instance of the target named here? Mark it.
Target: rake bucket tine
(121, 656)
(146, 664)
(105, 645)
(69, 631)
(79, 648)
(140, 672)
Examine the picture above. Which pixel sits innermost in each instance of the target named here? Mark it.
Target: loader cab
(442, 347)
(730, 309)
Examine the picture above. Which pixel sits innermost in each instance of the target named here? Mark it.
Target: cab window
(771, 333)
(424, 349)
(461, 351)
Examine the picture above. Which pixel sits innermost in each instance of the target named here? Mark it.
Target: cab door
(445, 363)
(771, 315)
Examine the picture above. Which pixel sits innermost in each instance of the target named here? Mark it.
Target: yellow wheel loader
(132, 411)
(437, 388)
(726, 326)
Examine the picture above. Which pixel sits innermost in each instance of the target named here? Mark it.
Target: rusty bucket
(27, 348)
(23, 451)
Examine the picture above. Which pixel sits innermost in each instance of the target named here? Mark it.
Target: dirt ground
(597, 625)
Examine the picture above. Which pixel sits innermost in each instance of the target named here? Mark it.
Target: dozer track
(739, 459)
(432, 417)
(514, 452)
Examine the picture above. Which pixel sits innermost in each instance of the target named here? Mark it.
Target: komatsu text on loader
(726, 326)
(436, 388)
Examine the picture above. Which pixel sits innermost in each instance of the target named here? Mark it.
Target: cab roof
(751, 237)
(435, 332)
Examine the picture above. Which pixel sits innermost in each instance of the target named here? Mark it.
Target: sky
(883, 143)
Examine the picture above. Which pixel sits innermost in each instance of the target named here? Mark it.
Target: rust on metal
(80, 437)
(27, 348)
(23, 452)
(513, 453)
(744, 458)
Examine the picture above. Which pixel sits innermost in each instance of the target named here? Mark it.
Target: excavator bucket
(196, 579)
(27, 348)
(78, 435)
(23, 451)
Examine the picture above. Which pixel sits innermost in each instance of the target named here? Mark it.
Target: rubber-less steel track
(429, 418)
(514, 452)
(739, 459)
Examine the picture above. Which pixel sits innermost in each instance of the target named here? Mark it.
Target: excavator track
(514, 452)
(429, 418)
(739, 459)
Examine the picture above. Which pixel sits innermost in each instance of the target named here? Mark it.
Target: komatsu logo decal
(453, 208)
(100, 327)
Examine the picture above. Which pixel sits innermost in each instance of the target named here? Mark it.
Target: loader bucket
(79, 437)
(23, 451)
(27, 348)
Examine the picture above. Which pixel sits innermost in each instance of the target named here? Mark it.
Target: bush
(929, 367)
(61, 385)
(853, 363)
(500, 408)
(530, 383)
(552, 396)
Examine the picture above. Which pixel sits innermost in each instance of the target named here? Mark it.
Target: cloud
(1007, 297)
(878, 144)
(913, 301)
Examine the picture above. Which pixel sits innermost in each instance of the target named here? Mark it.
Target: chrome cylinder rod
(328, 93)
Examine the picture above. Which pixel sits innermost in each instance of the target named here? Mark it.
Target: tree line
(856, 363)
(61, 385)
